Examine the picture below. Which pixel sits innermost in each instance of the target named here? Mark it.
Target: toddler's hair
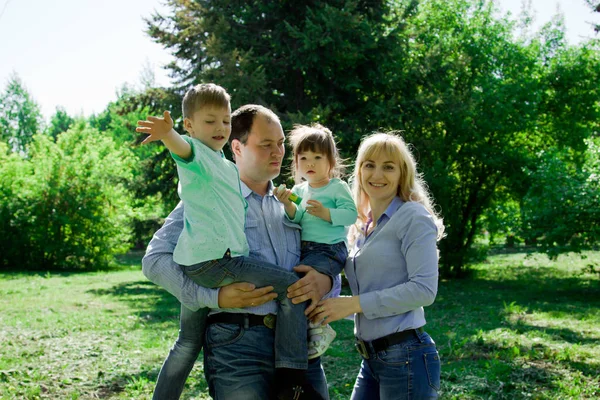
(204, 95)
(318, 139)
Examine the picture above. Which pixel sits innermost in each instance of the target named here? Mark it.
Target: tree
(310, 61)
(65, 205)
(476, 103)
(154, 175)
(595, 6)
(60, 122)
(561, 209)
(20, 115)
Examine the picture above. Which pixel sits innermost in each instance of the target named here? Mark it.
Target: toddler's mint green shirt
(214, 208)
(337, 197)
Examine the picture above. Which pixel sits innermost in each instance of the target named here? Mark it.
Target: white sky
(78, 53)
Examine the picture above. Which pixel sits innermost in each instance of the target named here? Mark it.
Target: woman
(393, 274)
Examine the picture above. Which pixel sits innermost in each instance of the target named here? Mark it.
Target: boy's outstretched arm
(162, 129)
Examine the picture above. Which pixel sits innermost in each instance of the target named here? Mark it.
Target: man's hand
(313, 286)
(314, 207)
(242, 294)
(157, 128)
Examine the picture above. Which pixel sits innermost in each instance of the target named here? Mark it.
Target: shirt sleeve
(336, 288)
(183, 162)
(419, 246)
(158, 266)
(344, 213)
(299, 208)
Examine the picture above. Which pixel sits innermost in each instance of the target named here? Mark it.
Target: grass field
(521, 327)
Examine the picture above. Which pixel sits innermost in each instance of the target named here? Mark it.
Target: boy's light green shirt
(337, 197)
(214, 208)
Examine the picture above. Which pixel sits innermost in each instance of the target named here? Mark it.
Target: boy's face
(211, 125)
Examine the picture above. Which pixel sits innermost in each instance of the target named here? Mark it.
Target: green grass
(521, 327)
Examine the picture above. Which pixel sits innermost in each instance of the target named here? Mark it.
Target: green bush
(65, 205)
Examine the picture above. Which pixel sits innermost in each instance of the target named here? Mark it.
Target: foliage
(60, 122)
(65, 206)
(20, 115)
(318, 59)
(154, 176)
(501, 221)
(561, 210)
(475, 102)
(595, 6)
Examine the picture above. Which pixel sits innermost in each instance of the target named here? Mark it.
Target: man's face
(259, 160)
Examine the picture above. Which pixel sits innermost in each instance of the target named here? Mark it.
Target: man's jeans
(238, 368)
(291, 349)
(238, 363)
(408, 370)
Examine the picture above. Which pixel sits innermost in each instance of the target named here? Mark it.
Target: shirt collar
(246, 191)
(389, 211)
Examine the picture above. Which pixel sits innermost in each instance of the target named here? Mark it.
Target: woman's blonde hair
(318, 139)
(411, 186)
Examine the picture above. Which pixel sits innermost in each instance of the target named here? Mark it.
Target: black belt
(245, 320)
(383, 343)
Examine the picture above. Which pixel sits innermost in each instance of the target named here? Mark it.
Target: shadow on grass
(491, 334)
(148, 300)
(143, 381)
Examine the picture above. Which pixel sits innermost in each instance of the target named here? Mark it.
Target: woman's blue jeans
(407, 370)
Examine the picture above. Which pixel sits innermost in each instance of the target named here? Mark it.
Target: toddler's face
(210, 125)
(314, 167)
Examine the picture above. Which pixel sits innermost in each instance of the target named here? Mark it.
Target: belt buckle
(269, 321)
(362, 349)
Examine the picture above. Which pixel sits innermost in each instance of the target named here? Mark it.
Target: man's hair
(243, 118)
(203, 95)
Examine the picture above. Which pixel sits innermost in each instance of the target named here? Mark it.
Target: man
(239, 346)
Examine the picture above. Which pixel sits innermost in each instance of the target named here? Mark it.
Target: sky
(78, 53)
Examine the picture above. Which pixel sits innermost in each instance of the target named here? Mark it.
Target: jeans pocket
(433, 367)
(396, 356)
(223, 334)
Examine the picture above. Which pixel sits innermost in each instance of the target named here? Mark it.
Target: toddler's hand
(283, 195)
(156, 127)
(316, 208)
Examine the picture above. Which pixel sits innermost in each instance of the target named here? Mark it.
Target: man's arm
(158, 266)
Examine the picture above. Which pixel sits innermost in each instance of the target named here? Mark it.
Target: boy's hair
(242, 120)
(318, 139)
(203, 95)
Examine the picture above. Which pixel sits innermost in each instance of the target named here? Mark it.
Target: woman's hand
(336, 308)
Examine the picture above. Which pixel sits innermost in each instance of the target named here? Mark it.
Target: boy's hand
(314, 207)
(283, 195)
(157, 128)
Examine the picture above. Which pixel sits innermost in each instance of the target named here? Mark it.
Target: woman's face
(380, 178)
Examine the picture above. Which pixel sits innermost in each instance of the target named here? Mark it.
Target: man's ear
(236, 148)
